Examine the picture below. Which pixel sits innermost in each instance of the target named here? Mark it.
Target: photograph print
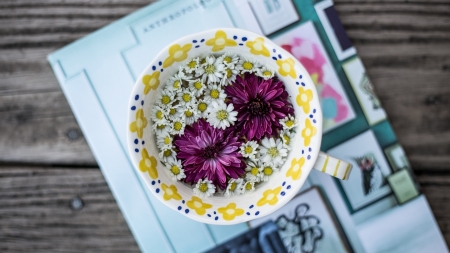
(367, 182)
(304, 43)
(363, 88)
(335, 30)
(306, 225)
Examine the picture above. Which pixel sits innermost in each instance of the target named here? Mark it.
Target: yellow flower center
(188, 113)
(177, 125)
(176, 84)
(267, 73)
(167, 153)
(257, 46)
(172, 111)
(161, 126)
(197, 204)
(270, 196)
(289, 123)
(273, 152)
(247, 65)
(248, 186)
(203, 61)
(214, 94)
(248, 150)
(198, 85)
(165, 99)
(202, 107)
(159, 115)
(308, 132)
(148, 163)
(139, 123)
(222, 114)
(175, 170)
(230, 211)
(268, 171)
(233, 186)
(304, 98)
(169, 191)
(192, 64)
(186, 97)
(286, 67)
(203, 187)
(227, 59)
(254, 171)
(209, 69)
(287, 139)
(220, 41)
(178, 54)
(229, 73)
(167, 140)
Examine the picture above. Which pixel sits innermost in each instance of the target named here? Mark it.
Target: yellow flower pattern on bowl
(230, 211)
(220, 41)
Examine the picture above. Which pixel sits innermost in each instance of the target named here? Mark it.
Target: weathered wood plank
(36, 213)
(35, 210)
(37, 125)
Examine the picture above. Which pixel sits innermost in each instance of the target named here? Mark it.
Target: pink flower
(260, 104)
(210, 153)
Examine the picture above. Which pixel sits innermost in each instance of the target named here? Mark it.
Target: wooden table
(53, 196)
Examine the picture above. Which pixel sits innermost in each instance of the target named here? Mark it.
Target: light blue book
(97, 74)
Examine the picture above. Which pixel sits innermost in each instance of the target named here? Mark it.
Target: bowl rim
(316, 142)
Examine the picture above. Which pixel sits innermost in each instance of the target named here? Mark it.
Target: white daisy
(286, 136)
(175, 170)
(254, 172)
(267, 171)
(168, 154)
(220, 115)
(248, 149)
(190, 114)
(186, 98)
(229, 58)
(247, 65)
(214, 92)
(265, 73)
(197, 87)
(202, 107)
(177, 126)
(171, 112)
(175, 82)
(192, 65)
(229, 75)
(248, 187)
(211, 70)
(289, 122)
(165, 98)
(164, 140)
(160, 128)
(272, 151)
(158, 115)
(204, 188)
(234, 187)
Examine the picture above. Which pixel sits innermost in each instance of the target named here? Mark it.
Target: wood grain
(404, 44)
(36, 213)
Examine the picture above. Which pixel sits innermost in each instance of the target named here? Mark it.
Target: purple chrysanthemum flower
(208, 152)
(260, 105)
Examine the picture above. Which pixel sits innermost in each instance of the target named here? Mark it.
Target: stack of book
(379, 209)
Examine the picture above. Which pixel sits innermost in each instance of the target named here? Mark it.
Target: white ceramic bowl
(269, 196)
